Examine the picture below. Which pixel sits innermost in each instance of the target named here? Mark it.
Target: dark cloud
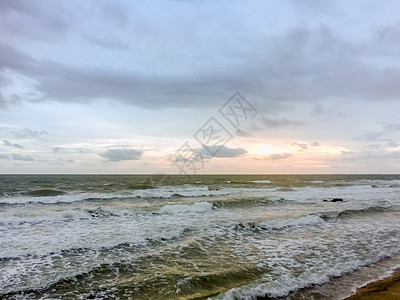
(302, 64)
(3, 156)
(116, 155)
(9, 144)
(17, 156)
(315, 64)
(287, 73)
(278, 156)
(221, 151)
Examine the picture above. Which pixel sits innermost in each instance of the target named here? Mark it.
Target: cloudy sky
(146, 86)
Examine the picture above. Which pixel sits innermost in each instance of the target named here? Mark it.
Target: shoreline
(387, 288)
(380, 280)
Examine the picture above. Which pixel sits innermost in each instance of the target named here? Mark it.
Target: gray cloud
(387, 131)
(346, 152)
(108, 42)
(239, 132)
(41, 21)
(116, 155)
(156, 58)
(10, 100)
(57, 149)
(17, 156)
(387, 38)
(6, 100)
(9, 144)
(392, 127)
(382, 156)
(393, 144)
(371, 136)
(3, 156)
(278, 156)
(305, 64)
(302, 146)
(222, 151)
(278, 123)
(15, 59)
(29, 133)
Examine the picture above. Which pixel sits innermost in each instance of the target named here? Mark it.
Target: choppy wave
(99, 212)
(45, 192)
(303, 194)
(349, 213)
(239, 240)
(44, 197)
(240, 202)
(278, 224)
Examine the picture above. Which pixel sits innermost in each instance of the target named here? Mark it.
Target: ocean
(197, 237)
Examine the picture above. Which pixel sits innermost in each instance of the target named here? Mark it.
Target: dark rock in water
(334, 200)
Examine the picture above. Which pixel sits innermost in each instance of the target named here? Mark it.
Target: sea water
(196, 237)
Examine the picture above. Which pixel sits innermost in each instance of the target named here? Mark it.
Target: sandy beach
(388, 288)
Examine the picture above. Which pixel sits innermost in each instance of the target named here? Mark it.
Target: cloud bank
(116, 155)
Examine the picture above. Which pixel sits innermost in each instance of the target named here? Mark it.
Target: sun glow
(266, 150)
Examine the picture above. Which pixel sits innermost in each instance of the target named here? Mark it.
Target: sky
(200, 86)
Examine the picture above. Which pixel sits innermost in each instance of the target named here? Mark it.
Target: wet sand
(387, 288)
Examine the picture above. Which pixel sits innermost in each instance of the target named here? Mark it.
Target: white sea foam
(184, 192)
(281, 288)
(181, 208)
(261, 181)
(330, 251)
(292, 222)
